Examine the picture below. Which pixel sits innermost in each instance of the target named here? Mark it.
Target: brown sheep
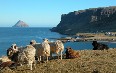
(71, 54)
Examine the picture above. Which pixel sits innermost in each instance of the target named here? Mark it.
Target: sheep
(99, 46)
(42, 49)
(46, 48)
(4, 59)
(38, 47)
(71, 54)
(7, 64)
(14, 47)
(56, 47)
(25, 54)
(30, 52)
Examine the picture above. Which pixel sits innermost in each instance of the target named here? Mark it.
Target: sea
(23, 36)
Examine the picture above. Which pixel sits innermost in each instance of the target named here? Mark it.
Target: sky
(43, 13)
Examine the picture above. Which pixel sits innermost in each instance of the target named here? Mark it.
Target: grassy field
(90, 61)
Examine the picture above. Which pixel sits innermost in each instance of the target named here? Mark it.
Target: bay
(22, 37)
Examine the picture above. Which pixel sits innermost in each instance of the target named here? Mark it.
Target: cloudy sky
(43, 13)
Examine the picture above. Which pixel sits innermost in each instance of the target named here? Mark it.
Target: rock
(21, 24)
(101, 19)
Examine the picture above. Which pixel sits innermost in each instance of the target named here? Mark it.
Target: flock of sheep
(35, 52)
(32, 52)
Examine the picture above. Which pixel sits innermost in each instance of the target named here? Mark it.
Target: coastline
(90, 37)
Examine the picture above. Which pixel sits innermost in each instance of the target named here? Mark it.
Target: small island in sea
(21, 24)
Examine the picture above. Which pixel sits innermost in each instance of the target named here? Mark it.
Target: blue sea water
(22, 37)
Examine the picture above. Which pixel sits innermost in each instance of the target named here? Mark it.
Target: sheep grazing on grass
(99, 46)
(42, 49)
(56, 47)
(26, 54)
(71, 54)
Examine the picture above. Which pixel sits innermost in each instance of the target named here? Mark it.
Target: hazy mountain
(21, 24)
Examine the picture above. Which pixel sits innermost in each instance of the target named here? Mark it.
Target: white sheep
(38, 47)
(46, 48)
(42, 49)
(56, 47)
(30, 52)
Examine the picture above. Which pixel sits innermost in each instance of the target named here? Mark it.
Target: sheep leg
(31, 66)
(40, 58)
(58, 56)
(47, 58)
(34, 64)
(51, 56)
(61, 55)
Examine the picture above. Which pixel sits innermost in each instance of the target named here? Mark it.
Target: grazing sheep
(99, 46)
(26, 54)
(56, 47)
(71, 54)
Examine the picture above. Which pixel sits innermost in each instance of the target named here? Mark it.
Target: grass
(90, 61)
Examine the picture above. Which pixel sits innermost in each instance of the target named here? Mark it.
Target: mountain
(21, 24)
(102, 19)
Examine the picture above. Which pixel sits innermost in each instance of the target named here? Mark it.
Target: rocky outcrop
(21, 24)
(101, 19)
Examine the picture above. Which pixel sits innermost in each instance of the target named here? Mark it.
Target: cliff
(21, 24)
(101, 19)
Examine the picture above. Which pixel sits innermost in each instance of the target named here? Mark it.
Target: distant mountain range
(102, 19)
(21, 24)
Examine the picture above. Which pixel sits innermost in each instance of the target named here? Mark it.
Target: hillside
(21, 24)
(90, 61)
(101, 19)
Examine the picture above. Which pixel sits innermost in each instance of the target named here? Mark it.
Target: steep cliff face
(89, 20)
(20, 24)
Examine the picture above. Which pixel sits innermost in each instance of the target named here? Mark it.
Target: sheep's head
(14, 46)
(10, 52)
(32, 42)
(94, 43)
(46, 40)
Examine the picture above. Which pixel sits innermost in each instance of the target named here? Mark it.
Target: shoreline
(81, 37)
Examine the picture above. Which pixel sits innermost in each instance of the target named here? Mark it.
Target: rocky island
(21, 24)
(102, 19)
